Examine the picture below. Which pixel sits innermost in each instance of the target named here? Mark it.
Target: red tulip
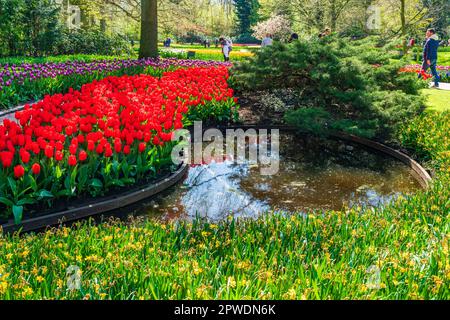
(59, 156)
(91, 145)
(82, 156)
(36, 169)
(72, 161)
(25, 156)
(142, 147)
(19, 171)
(73, 149)
(49, 150)
(7, 158)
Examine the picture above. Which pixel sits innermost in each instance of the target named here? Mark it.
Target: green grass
(438, 100)
(444, 58)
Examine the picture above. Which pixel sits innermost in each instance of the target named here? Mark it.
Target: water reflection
(313, 175)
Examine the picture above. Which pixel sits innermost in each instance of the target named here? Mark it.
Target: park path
(444, 86)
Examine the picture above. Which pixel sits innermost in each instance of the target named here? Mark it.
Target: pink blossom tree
(278, 26)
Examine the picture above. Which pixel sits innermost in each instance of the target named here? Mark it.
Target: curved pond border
(10, 112)
(103, 205)
(419, 172)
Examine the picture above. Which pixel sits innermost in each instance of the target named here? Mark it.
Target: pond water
(313, 174)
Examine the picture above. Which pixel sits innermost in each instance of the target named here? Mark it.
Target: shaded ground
(262, 108)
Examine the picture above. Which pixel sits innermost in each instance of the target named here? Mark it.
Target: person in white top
(267, 41)
(226, 48)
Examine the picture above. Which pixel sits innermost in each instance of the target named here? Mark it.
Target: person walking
(293, 38)
(226, 48)
(267, 41)
(430, 55)
(325, 33)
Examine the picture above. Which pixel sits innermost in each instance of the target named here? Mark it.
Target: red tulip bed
(444, 72)
(112, 133)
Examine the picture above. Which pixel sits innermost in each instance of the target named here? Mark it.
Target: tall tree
(247, 16)
(404, 30)
(41, 26)
(439, 14)
(149, 29)
(403, 18)
(336, 8)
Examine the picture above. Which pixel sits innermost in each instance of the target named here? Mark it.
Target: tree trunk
(103, 25)
(403, 19)
(149, 29)
(333, 16)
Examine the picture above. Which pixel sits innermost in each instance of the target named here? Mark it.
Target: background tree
(315, 15)
(247, 16)
(269, 8)
(439, 15)
(10, 34)
(403, 19)
(149, 29)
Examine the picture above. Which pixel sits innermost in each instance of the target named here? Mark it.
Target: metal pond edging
(7, 112)
(104, 205)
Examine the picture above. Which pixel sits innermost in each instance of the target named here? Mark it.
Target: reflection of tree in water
(312, 176)
(214, 193)
(197, 182)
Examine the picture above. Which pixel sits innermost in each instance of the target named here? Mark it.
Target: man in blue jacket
(430, 55)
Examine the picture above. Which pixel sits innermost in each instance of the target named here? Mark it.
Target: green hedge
(339, 85)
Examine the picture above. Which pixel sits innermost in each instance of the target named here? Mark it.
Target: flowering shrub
(444, 72)
(110, 134)
(30, 81)
(278, 26)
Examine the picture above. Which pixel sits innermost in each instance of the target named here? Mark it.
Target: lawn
(444, 58)
(180, 51)
(438, 100)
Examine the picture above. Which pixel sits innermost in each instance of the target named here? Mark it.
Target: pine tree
(247, 16)
(41, 26)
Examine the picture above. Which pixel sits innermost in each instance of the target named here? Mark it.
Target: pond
(314, 174)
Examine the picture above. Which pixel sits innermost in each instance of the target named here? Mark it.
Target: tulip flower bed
(112, 133)
(31, 81)
(444, 72)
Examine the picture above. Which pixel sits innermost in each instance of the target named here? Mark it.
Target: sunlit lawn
(437, 99)
(444, 59)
